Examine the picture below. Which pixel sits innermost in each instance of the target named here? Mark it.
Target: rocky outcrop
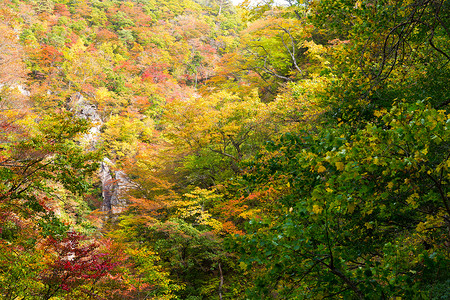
(115, 183)
(85, 110)
(115, 186)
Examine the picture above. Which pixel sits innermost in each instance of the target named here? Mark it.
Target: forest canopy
(197, 149)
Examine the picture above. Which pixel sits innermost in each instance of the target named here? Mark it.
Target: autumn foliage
(198, 150)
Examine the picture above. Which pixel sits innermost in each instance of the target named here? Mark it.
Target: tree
(75, 265)
(44, 6)
(12, 68)
(400, 53)
(217, 131)
(354, 203)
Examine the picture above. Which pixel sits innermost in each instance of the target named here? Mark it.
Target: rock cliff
(115, 183)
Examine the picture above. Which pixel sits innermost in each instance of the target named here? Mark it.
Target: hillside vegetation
(262, 151)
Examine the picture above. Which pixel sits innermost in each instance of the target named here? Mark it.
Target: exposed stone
(115, 185)
(88, 111)
(107, 184)
(22, 90)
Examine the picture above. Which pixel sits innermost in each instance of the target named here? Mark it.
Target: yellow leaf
(243, 265)
(410, 200)
(317, 209)
(369, 225)
(390, 185)
(378, 113)
(340, 166)
(421, 227)
(329, 190)
(321, 169)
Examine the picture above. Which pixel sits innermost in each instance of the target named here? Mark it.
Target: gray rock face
(115, 183)
(107, 185)
(88, 111)
(23, 90)
(84, 109)
(20, 88)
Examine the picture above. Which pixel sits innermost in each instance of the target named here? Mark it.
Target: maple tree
(74, 265)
